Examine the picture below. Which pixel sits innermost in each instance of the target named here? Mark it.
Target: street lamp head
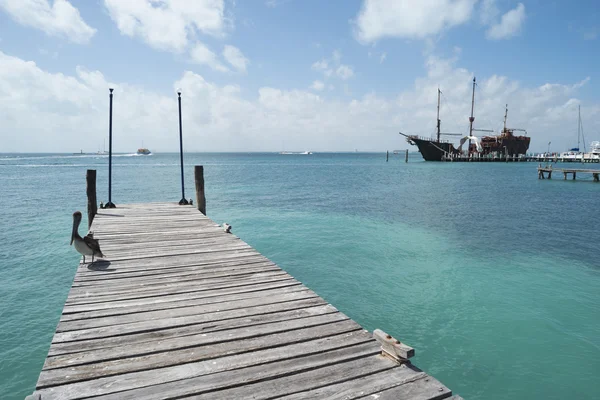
(179, 92)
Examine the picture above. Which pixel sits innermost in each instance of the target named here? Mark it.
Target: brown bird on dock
(87, 245)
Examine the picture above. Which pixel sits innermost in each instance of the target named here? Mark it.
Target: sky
(294, 75)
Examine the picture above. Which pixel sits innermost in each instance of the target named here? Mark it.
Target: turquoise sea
(492, 275)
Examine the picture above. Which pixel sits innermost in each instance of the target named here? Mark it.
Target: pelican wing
(93, 244)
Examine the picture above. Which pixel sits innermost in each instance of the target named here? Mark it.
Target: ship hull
(511, 145)
(432, 150)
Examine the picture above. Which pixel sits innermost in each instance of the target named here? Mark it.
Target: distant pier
(182, 308)
(546, 173)
(516, 158)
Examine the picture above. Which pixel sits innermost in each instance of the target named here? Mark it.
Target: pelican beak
(72, 237)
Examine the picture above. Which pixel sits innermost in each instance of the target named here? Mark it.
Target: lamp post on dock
(183, 201)
(110, 204)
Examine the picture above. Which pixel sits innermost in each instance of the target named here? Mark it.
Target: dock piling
(92, 204)
(406, 158)
(387, 155)
(199, 179)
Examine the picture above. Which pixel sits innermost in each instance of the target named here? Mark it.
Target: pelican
(86, 246)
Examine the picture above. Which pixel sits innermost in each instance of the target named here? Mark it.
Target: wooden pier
(516, 158)
(546, 172)
(180, 308)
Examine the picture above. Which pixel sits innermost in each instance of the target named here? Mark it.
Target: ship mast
(472, 118)
(505, 115)
(578, 127)
(438, 116)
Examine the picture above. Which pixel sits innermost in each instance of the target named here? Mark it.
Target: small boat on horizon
(291, 152)
(142, 151)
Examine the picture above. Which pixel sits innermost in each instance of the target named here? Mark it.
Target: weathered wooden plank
(137, 266)
(303, 381)
(175, 290)
(168, 322)
(215, 292)
(184, 303)
(85, 292)
(188, 288)
(189, 310)
(224, 355)
(364, 386)
(424, 389)
(179, 274)
(122, 245)
(258, 324)
(260, 380)
(130, 254)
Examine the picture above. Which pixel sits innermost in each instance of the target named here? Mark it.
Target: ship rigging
(505, 143)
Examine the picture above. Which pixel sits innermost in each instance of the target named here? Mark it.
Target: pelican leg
(84, 259)
(92, 258)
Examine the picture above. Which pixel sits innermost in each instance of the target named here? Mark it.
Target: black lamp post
(110, 204)
(183, 201)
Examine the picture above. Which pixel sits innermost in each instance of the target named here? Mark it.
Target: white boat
(594, 152)
(575, 154)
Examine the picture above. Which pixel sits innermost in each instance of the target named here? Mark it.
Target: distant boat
(575, 154)
(143, 151)
(291, 152)
(103, 152)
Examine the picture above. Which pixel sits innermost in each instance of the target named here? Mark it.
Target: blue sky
(266, 74)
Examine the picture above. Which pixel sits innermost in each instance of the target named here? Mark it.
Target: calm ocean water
(492, 275)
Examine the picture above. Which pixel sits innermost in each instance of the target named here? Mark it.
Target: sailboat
(103, 152)
(575, 154)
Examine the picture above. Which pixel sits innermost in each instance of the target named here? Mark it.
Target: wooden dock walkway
(546, 172)
(183, 309)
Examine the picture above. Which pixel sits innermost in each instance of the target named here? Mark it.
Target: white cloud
(379, 19)
(168, 24)
(317, 85)
(224, 118)
(200, 54)
(382, 57)
(333, 65)
(510, 24)
(234, 56)
(59, 19)
(344, 72)
(488, 12)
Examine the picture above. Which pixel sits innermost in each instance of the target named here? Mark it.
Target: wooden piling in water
(387, 155)
(406, 159)
(92, 204)
(199, 179)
